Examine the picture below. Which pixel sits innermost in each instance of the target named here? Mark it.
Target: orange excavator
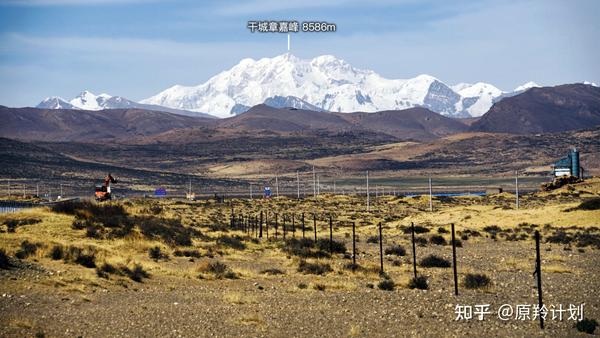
(103, 191)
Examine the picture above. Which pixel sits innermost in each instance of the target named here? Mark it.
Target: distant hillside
(413, 123)
(87, 125)
(543, 110)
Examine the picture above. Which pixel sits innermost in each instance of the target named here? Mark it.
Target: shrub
(442, 230)
(136, 274)
(386, 284)
(587, 239)
(93, 231)
(419, 229)
(157, 254)
(272, 271)
(437, 240)
(418, 283)
(395, 249)
(57, 252)
(27, 249)
(105, 269)
(590, 204)
(313, 268)
(420, 241)
(187, 253)
(234, 242)
(336, 246)
(586, 325)
(302, 286)
(476, 281)
(12, 224)
(169, 230)
(4, 260)
(560, 237)
(217, 269)
(77, 255)
(433, 261)
(351, 266)
(305, 248)
(492, 229)
(373, 239)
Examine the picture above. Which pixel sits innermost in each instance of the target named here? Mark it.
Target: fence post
(430, 196)
(517, 189)
(294, 225)
(380, 248)
(454, 261)
(303, 228)
(276, 225)
(538, 271)
(330, 234)
(412, 225)
(353, 245)
(315, 225)
(267, 223)
(283, 225)
(260, 226)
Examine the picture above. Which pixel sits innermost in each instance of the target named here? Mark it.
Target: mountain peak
(526, 86)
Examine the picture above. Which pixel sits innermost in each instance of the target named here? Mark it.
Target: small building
(568, 166)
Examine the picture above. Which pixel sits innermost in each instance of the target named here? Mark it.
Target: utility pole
(517, 188)
(276, 186)
(368, 201)
(314, 183)
(298, 181)
(318, 186)
(430, 196)
(250, 191)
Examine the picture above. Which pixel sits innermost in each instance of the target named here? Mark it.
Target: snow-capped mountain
(476, 98)
(526, 86)
(55, 102)
(326, 82)
(86, 100)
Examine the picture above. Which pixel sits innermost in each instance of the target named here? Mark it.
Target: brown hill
(543, 110)
(84, 125)
(414, 123)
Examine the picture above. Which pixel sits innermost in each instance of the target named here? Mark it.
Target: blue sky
(136, 48)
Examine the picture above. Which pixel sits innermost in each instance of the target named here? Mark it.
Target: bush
(373, 239)
(234, 242)
(560, 237)
(304, 248)
(4, 260)
(93, 231)
(187, 253)
(336, 246)
(433, 261)
(105, 269)
(420, 241)
(476, 281)
(418, 283)
(395, 249)
(82, 257)
(437, 240)
(351, 266)
(272, 271)
(590, 204)
(12, 224)
(442, 230)
(217, 269)
(419, 229)
(57, 252)
(136, 274)
(157, 254)
(27, 249)
(586, 325)
(492, 229)
(313, 268)
(386, 284)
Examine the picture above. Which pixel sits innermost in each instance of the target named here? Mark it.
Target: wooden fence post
(380, 249)
(538, 271)
(260, 234)
(353, 245)
(330, 234)
(412, 225)
(303, 228)
(454, 261)
(315, 225)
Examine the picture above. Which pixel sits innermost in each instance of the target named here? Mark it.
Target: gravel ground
(256, 305)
